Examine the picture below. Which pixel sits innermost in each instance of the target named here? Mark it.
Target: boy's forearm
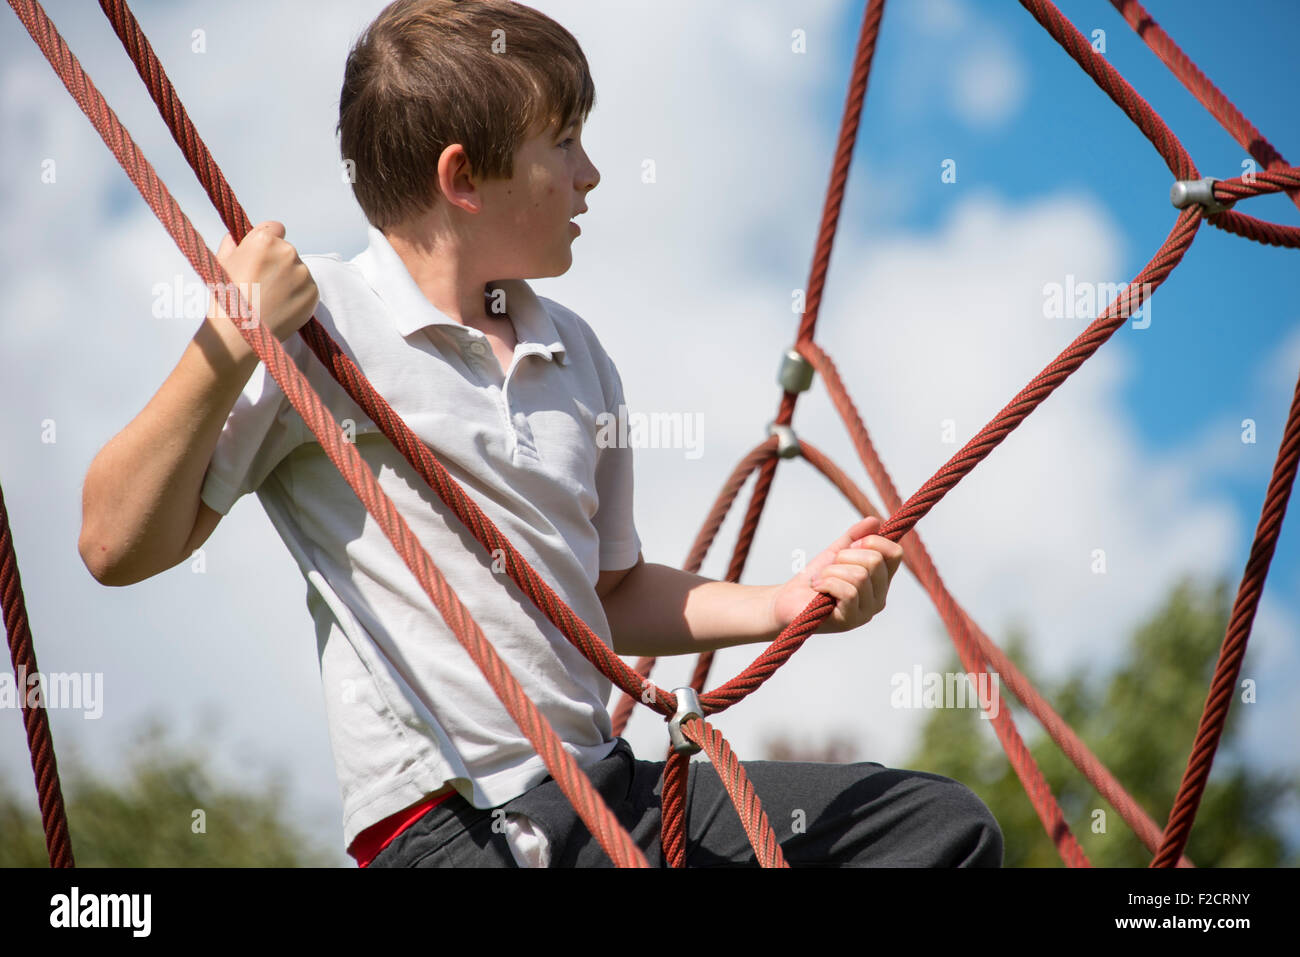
(660, 610)
(141, 493)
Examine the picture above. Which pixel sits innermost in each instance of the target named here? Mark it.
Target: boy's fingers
(856, 531)
(850, 572)
(227, 247)
(863, 527)
(890, 552)
(272, 226)
(838, 589)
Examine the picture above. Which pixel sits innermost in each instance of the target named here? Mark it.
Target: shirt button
(477, 348)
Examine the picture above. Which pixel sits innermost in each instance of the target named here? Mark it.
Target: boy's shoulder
(335, 276)
(568, 323)
(582, 341)
(330, 266)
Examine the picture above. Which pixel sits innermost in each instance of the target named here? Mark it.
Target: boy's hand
(855, 571)
(285, 294)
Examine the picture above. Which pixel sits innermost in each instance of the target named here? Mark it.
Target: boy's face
(524, 225)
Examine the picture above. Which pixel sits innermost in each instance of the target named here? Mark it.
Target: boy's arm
(660, 610)
(141, 508)
(141, 512)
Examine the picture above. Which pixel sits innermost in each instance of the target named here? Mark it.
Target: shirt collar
(411, 310)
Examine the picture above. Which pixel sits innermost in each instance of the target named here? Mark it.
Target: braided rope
(40, 742)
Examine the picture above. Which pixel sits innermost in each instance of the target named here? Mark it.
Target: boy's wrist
(775, 626)
(227, 351)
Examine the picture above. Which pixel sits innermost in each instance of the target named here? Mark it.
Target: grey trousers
(824, 815)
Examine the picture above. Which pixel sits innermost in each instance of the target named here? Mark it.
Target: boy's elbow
(108, 562)
(113, 563)
(104, 566)
(93, 542)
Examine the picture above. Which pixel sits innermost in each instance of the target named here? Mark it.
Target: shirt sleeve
(260, 431)
(619, 543)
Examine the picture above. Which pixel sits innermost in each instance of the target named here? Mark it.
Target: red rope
(1233, 650)
(699, 551)
(847, 140)
(918, 561)
(1199, 85)
(757, 828)
(35, 719)
(988, 438)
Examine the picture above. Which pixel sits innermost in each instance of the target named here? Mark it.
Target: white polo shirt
(408, 710)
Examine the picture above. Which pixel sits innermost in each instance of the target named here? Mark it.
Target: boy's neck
(445, 276)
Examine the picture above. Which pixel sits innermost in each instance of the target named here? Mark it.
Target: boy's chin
(550, 270)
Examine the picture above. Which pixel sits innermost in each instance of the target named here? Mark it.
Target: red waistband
(379, 835)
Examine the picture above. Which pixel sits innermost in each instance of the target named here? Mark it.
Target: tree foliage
(165, 811)
(1140, 720)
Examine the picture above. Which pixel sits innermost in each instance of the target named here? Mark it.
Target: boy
(463, 123)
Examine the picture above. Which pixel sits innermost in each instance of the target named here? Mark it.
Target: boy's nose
(591, 179)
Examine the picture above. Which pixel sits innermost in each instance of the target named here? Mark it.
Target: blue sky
(1232, 302)
(933, 311)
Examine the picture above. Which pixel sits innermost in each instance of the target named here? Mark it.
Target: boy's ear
(456, 182)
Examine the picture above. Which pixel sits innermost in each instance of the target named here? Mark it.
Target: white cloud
(988, 83)
(958, 60)
(939, 17)
(925, 328)
(1280, 374)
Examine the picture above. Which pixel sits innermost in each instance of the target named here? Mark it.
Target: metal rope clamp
(1185, 192)
(688, 706)
(787, 443)
(795, 373)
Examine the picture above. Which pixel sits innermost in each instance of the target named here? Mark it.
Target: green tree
(1140, 721)
(166, 811)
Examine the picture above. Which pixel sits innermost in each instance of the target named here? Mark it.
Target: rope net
(978, 653)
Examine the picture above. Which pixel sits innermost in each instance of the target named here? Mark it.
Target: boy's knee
(947, 825)
(975, 838)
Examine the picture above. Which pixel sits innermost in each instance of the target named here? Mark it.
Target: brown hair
(429, 73)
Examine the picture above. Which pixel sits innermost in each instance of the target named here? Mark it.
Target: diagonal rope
(1233, 650)
(918, 560)
(35, 719)
(1200, 86)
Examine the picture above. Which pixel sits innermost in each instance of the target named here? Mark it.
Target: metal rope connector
(787, 443)
(688, 706)
(796, 372)
(1185, 192)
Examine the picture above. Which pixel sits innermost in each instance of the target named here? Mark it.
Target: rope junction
(1198, 198)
